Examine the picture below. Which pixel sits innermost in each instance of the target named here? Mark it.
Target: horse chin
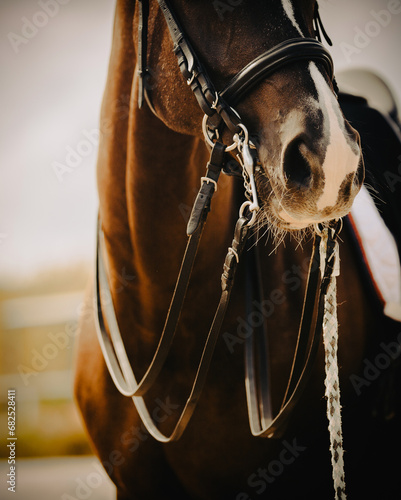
(281, 218)
(297, 224)
(269, 224)
(293, 223)
(278, 224)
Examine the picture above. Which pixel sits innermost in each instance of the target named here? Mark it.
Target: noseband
(217, 106)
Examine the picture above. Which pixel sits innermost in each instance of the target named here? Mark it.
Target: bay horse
(151, 159)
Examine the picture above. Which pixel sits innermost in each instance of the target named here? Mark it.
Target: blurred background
(54, 58)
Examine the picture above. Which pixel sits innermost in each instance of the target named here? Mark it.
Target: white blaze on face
(340, 159)
(287, 6)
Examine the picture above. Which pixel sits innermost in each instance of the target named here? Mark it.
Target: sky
(51, 93)
(54, 63)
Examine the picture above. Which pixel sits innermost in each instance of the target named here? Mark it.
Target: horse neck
(147, 184)
(163, 172)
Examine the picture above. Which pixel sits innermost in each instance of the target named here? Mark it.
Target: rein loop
(217, 106)
(116, 357)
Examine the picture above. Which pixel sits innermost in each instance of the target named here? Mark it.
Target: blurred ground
(58, 478)
(38, 327)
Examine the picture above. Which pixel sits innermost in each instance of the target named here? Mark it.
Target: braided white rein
(332, 392)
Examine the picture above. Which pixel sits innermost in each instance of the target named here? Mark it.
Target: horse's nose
(321, 179)
(305, 167)
(299, 164)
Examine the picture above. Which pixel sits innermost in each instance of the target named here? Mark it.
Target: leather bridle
(217, 106)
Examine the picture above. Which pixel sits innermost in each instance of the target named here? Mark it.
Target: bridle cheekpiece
(217, 106)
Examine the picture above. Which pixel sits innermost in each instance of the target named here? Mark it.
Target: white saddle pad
(380, 252)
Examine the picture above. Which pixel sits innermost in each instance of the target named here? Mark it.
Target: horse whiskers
(270, 227)
(262, 222)
(267, 223)
(373, 193)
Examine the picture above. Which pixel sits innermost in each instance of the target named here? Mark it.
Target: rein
(262, 422)
(217, 106)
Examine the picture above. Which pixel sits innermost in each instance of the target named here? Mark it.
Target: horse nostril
(296, 167)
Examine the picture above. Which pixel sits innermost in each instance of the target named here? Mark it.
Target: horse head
(310, 166)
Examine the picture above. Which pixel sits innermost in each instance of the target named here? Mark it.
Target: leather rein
(218, 110)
